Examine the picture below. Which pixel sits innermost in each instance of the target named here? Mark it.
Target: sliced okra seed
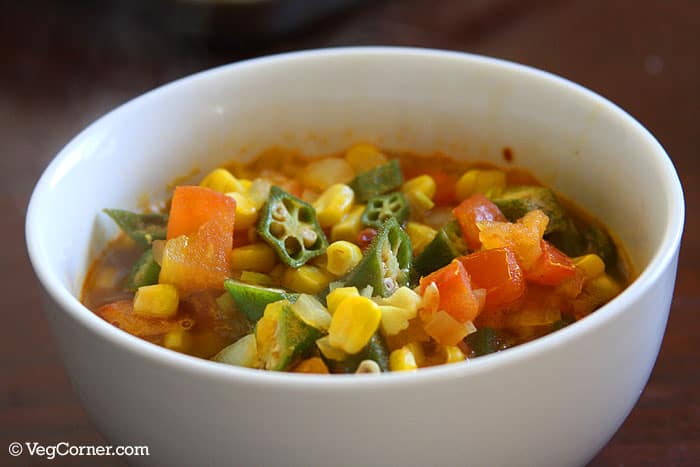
(368, 366)
(277, 229)
(289, 204)
(390, 284)
(279, 213)
(309, 237)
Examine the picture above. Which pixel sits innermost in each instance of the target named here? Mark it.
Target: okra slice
(252, 299)
(447, 245)
(376, 350)
(380, 208)
(144, 272)
(484, 341)
(377, 181)
(600, 243)
(282, 337)
(290, 227)
(142, 228)
(386, 264)
(515, 202)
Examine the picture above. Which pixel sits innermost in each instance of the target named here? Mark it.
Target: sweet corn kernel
(424, 184)
(178, 340)
(313, 365)
(246, 212)
(452, 354)
(348, 228)
(421, 235)
(266, 328)
(330, 352)
(603, 288)
(258, 278)
(402, 360)
(480, 181)
(323, 173)
(591, 265)
(416, 349)
(405, 298)
(342, 256)
(363, 157)
(419, 202)
(156, 301)
(258, 257)
(338, 295)
(223, 181)
(354, 322)
(333, 204)
(306, 279)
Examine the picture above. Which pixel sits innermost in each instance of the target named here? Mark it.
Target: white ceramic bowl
(555, 401)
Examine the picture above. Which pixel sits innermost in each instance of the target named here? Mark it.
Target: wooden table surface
(63, 64)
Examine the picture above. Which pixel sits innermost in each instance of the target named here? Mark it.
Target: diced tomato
(456, 295)
(476, 208)
(552, 267)
(365, 237)
(523, 236)
(193, 206)
(200, 238)
(498, 272)
(200, 261)
(121, 314)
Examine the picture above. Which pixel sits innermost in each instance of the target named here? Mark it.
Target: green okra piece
(447, 245)
(376, 350)
(289, 225)
(386, 264)
(252, 299)
(484, 341)
(291, 339)
(377, 181)
(142, 228)
(144, 272)
(382, 207)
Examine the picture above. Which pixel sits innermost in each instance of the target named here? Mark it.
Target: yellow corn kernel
(424, 184)
(603, 288)
(306, 279)
(480, 181)
(404, 297)
(323, 173)
(348, 228)
(223, 181)
(258, 257)
(421, 235)
(333, 204)
(266, 328)
(258, 278)
(328, 351)
(402, 360)
(416, 349)
(354, 322)
(342, 256)
(336, 296)
(419, 202)
(156, 301)
(245, 183)
(591, 265)
(178, 340)
(452, 354)
(313, 365)
(246, 212)
(398, 310)
(363, 157)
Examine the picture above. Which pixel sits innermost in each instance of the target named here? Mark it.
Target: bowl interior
(321, 102)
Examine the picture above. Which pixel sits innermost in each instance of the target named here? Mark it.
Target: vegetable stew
(362, 262)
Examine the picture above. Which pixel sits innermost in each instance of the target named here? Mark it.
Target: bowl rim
(90, 322)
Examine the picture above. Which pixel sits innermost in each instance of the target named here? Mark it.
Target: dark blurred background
(65, 63)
